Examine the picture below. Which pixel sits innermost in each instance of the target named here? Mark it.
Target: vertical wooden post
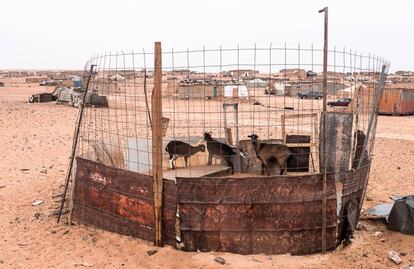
(324, 128)
(156, 104)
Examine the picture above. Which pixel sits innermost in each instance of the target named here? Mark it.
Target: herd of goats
(269, 154)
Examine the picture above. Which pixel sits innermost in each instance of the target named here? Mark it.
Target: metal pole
(374, 112)
(75, 143)
(324, 128)
(238, 163)
(372, 128)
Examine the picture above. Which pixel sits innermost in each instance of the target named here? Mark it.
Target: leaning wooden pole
(324, 129)
(75, 144)
(156, 104)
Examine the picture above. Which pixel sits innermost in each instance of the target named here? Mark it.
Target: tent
(117, 77)
(257, 83)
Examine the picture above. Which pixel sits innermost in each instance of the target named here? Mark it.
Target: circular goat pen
(243, 128)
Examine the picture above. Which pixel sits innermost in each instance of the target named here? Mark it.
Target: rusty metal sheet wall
(270, 215)
(407, 101)
(120, 201)
(339, 142)
(397, 102)
(352, 191)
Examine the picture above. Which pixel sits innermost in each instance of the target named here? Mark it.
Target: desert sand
(35, 144)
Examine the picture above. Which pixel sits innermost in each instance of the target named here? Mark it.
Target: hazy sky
(64, 34)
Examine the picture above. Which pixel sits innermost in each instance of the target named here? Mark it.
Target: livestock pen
(123, 181)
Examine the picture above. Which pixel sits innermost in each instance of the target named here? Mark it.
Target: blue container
(77, 83)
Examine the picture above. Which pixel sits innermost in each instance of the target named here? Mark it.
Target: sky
(61, 34)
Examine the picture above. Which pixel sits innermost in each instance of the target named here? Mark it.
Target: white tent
(236, 91)
(257, 83)
(117, 77)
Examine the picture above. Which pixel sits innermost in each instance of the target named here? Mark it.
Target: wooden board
(196, 171)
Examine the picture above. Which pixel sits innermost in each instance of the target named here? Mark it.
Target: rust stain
(271, 215)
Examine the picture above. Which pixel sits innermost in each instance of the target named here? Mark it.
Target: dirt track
(35, 142)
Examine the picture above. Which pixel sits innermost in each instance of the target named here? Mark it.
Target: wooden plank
(296, 145)
(324, 129)
(156, 104)
(283, 120)
(229, 136)
(294, 116)
(195, 171)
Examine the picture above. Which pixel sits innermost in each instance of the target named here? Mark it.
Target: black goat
(216, 148)
(270, 154)
(177, 149)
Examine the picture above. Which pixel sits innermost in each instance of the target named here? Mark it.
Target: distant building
(179, 72)
(206, 89)
(397, 101)
(236, 91)
(199, 91)
(241, 73)
(293, 72)
(404, 73)
(303, 86)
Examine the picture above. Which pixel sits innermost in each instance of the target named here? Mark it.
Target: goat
(269, 154)
(216, 148)
(177, 149)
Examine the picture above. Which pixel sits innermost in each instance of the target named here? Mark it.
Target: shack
(236, 91)
(199, 90)
(397, 101)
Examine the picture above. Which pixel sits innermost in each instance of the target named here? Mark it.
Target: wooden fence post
(156, 103)
(324, 128)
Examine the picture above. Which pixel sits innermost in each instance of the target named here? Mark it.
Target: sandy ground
(35, 143)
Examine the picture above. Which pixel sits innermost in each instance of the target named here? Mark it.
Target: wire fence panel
(237, 114)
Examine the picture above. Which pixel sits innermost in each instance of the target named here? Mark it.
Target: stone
(152, 252)
(378, 233)
(220, 260)
(393, 255)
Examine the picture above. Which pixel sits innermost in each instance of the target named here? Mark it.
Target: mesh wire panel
(231, 93)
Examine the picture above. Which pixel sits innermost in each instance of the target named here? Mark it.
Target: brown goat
(271, 154)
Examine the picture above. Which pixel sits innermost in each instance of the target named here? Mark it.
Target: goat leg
(230, 163)
(171, 161)
(267, 170)
(283, 167)
(210, 159)
(185, 160)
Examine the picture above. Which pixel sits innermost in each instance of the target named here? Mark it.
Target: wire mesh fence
(241, 136)
(231, 93)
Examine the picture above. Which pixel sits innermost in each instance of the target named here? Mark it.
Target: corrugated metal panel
(397, 102)
(352, 191)
(407, 101)
(255, 215)
(280, 214)
(121, 201)
(338, 143)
